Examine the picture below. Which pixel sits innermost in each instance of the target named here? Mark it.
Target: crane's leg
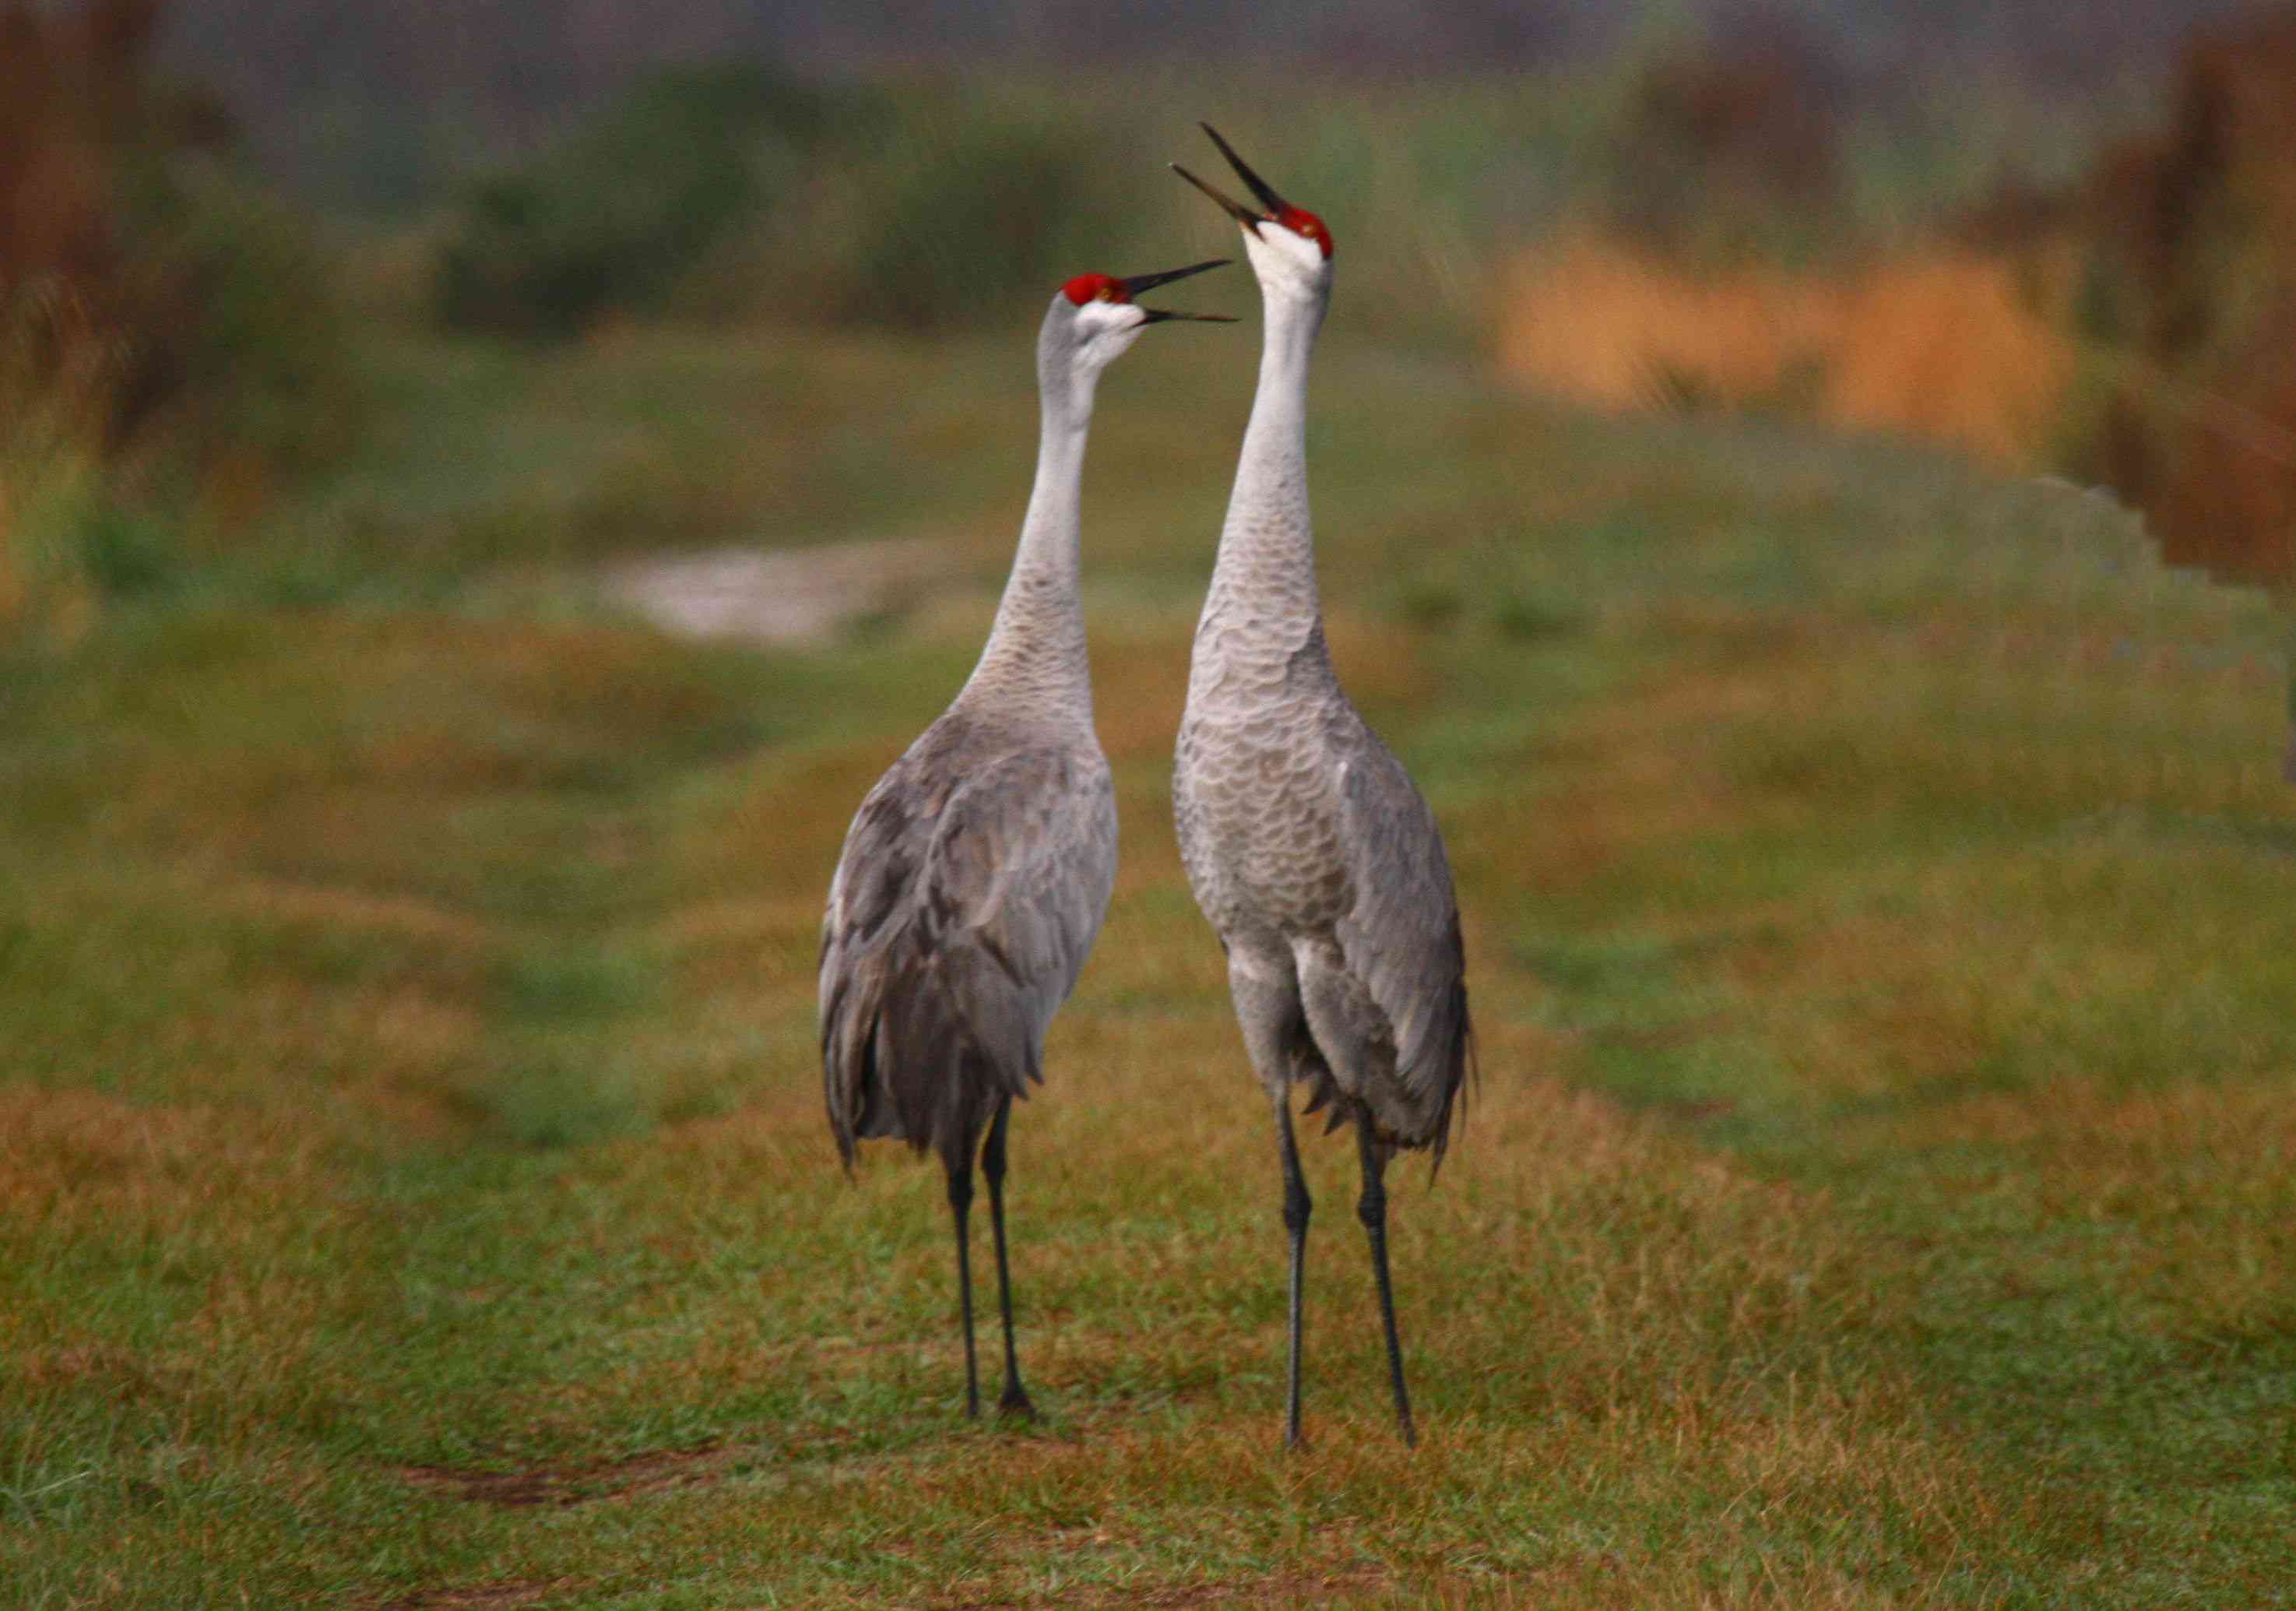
(1371, 1208)
(1016, 1401)
(1296, 1210)
(1266, 987)
(960, 1208)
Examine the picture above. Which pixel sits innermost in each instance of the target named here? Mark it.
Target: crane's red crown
(1299, 221)
(1097, 288)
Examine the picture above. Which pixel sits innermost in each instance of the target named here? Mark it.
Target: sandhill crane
(1307, 846)
(976, 872)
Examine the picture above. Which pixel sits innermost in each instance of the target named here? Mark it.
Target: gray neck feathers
(1262, 606)
(1035, 652)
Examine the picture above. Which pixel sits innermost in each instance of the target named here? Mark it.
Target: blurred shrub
(255, 357)
(951, 206)
(1731, 147)
(2184, 287)
(160, 322)
(610, 219)
(56, 386)
(954, 208)
(723, 194)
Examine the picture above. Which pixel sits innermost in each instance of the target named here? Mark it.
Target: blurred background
(226, 229)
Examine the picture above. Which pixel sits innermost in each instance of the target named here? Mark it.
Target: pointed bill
(1148, 282)
(1268, 198)
(1235, 209)
(1139, 283)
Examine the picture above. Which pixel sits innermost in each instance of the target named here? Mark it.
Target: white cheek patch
(1102, 318)
(1280, 254)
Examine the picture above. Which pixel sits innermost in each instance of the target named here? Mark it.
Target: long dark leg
(1371, 1208)
(992, 1165)
(1296, 1209)
(960, 1207)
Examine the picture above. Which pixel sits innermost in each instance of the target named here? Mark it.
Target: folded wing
(1401, 943)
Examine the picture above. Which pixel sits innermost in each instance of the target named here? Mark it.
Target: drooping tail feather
(920, 1043)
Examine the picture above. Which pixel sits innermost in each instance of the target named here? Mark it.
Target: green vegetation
(934, 205)
(607, 221)
(931, 203)
(413, 1190)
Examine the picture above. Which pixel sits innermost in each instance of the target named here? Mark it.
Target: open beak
(1260, 187)
(1139, 283)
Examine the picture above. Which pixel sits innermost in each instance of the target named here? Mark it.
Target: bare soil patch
(480, 1596)
(1284, 1588)
(579, 1484)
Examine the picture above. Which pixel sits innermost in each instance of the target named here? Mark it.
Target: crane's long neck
(1036, 651)
(1263, 601)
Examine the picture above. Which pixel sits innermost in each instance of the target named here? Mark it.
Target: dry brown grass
(1940, 344)
(79, 1160)
(1948, 347)
(1602, 325)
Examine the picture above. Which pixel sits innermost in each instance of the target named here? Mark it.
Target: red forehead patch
(1094, 288)
(1299, 221)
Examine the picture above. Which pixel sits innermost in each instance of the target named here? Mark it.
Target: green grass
(413, 1190)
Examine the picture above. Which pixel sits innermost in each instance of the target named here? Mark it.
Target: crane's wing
(968, 896)
(1400, 938)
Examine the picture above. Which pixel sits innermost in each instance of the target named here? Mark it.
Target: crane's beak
(1260, 187)
(1139, 283)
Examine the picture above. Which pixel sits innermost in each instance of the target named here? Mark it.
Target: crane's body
(1307, 846)
(975, 875)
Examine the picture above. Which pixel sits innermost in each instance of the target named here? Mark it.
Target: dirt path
(790, 597)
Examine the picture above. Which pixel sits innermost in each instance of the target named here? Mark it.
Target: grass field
(1881, 1190)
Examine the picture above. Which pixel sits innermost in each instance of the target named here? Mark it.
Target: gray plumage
(1322, 871)
(971, 887)
(1307, 846)
(976, 872)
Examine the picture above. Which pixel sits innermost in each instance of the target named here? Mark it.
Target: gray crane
(976, 872)
(1305, 841)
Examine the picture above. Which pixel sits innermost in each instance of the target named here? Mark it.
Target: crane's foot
(1015, 1404)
